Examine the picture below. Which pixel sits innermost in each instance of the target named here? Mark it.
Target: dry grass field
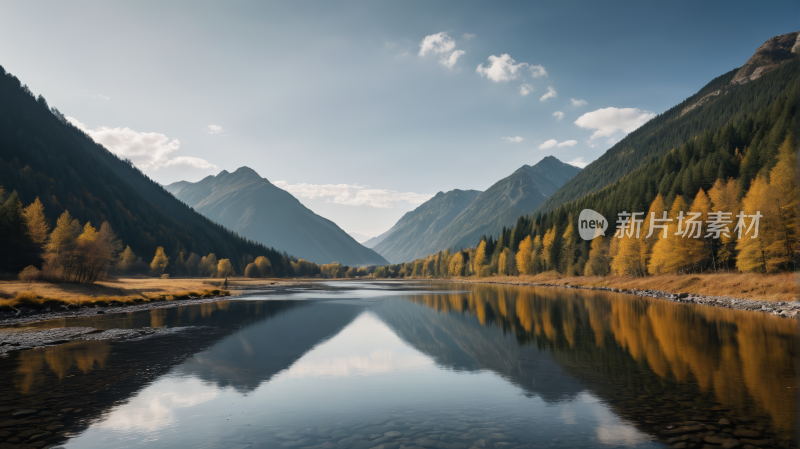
(759, 287)
(40, 294)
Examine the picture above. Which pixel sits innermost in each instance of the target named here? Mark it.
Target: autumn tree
(775, 199)
(480, 258)
(159, 263)
(208, 266)
(225, 269)
(669, 255)
(599, 261)
(38, 225)
(524, 254)
(724, 199)
(264, 266)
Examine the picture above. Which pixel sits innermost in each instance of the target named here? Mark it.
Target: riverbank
(776, 294)
(22, 304)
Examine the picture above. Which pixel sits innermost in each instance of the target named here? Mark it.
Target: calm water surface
(361, 365)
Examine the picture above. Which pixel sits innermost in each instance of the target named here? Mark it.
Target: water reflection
(744, 360)
(440, 369)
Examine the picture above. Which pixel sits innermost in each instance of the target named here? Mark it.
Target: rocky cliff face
(774, 52)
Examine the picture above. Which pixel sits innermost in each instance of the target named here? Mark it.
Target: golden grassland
(753, 286)
(122, 291)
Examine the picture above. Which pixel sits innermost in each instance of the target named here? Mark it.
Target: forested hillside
(41, 155)
(721, 101)
(737, 154)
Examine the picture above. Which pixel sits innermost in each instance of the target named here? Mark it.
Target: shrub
(30, 274)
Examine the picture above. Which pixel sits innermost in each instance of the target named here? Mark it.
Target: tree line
(75, 252)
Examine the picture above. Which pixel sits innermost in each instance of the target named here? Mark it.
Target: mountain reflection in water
(443, 368)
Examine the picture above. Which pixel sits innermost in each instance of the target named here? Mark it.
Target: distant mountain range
(458, 218)
(253, 207)
(42, 155)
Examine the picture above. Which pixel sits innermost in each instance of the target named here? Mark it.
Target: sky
(364, 110)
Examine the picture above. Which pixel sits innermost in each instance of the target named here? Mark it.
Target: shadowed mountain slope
(42, 155)
(417, 229)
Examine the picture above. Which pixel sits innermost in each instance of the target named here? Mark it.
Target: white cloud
(145, 150)
(441, 44)
(102, 97)
(437, 44)
(190, 162)
(558, 114)
(578, 162)
(353, 194)
(213, 129)
(553, 143)
(525, 89)
(537, 71)
(551, 93)
(468, 36)
(608, 121)
(501, 68)
(450, 61)
(516, 139)
(580, 102)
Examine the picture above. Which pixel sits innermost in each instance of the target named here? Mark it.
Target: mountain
(416, 231)
(456, 219)
(255, 208)
(42, 155)
(359, 237)
(501, 204)
(729, 97)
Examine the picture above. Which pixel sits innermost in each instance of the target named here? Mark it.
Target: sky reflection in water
(509, 366)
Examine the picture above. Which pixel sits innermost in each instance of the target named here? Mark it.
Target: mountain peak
(774, 52)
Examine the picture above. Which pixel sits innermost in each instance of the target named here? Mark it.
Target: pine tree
(650, 234)
(159, 263)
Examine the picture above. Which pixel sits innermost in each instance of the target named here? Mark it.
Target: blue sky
(340, 101)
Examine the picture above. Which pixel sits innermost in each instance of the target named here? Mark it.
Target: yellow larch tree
(480, 258)
(724, 198)
(502, 263)
(547, 247)
(160, 262)
(668, 255)
(776, 201)
(699, 250)
(38, 226)
(524, 256)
